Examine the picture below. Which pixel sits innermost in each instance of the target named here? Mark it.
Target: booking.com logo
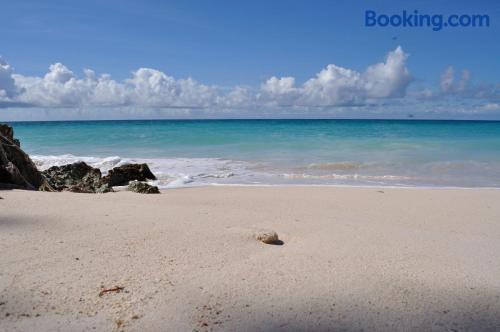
(436, 21)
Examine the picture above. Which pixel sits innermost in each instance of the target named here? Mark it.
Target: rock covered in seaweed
(77, 177)
(142, 188)
(82, 178)
(122, 175)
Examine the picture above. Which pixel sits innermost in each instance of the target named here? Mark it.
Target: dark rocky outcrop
(8, 132)
(82, 178)
(77, 177)
(17, 170)
(142, 188)
(121, 176)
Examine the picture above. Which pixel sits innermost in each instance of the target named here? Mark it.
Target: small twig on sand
(107, 290)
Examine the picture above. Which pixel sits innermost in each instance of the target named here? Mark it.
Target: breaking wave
(171, 172)
(186, 172)
(347, 177)
(345, 165)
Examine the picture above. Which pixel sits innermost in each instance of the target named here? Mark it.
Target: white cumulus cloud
(8, 88)
(149, 88)
(336, 85)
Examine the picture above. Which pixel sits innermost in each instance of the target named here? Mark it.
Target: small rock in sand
(142, 188)
(267, 236)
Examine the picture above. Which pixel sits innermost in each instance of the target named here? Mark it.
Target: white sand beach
(351, 259)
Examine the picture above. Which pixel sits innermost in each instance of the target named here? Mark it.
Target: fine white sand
(353, 258)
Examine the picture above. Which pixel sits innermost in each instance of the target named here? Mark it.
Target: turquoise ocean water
(342, 152)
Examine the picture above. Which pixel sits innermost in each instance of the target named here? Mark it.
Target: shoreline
(352, 258)
(325, 185)
(206, 171)
(261, 185)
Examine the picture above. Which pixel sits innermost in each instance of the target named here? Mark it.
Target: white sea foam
(344, 165)
(171, 172)
(104, 164)
(185, 172)
(346, 177)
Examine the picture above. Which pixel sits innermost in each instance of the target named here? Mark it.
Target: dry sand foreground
(352, 259)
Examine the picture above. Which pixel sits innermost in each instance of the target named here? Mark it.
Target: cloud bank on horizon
(332, 87)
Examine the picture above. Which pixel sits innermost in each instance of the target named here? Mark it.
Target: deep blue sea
(341, 152)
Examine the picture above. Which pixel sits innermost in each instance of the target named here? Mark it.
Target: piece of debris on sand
(116, 289)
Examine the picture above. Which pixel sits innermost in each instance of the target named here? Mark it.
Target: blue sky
(228, 44)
